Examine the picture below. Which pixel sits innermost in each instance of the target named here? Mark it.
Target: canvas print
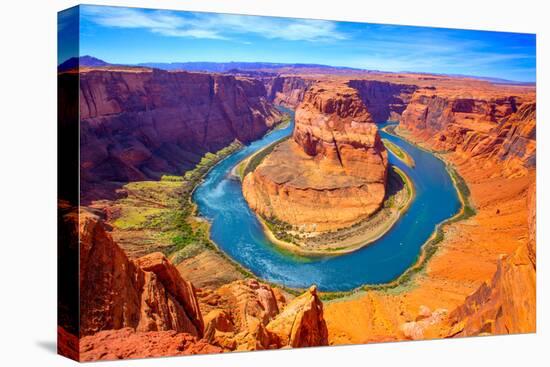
(238, 183)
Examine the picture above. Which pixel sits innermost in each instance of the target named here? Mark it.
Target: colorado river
(237, 232)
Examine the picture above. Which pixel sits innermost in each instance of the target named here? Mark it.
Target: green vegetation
(190, 230)
(408, 187)
(468, 209)
(394, 148)
(163, 212)
(170, 178)
(147, 201)
(280, 229)
(399, 153)
(207, 162)
(285, 120)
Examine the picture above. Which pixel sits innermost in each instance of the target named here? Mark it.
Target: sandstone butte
(332, 174)
(480, 281)
(144, 307)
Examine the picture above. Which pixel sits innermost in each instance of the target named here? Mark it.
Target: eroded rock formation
(332, 174)
(137, 125)
(301, 324)
(239, 312)
(499, 129)
(143, 307)
(385, 101)
(147, 294)
(248, 315)
(506, 304)
(287, 91)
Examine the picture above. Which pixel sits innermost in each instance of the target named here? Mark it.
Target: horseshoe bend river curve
(236, 230)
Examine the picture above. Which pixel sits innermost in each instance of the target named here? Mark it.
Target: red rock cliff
(385, 101)
(301, 324)
(287, 91)
(147, 294)
(506, 304)
(139, 125)
(143, 307)
(497, 128)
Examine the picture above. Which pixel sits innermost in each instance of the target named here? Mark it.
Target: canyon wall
(507, 303)
(137, 125)
(287, 91)
(498, 129)
(385, 101)
(332, 173)
(492, 132)
(482, 279)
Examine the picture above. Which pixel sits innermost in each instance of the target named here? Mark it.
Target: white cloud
(213, 26)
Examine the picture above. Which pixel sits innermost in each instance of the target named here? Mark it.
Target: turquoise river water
(237, 232)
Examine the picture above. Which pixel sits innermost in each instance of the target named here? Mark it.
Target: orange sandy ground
(466, 258)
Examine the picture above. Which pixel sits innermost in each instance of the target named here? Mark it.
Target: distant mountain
(498, 80)
(245, 68)
(483, 78)
(251, 73)
(75, 62)
(222, 67)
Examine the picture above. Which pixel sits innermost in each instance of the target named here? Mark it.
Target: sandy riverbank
(399, 153)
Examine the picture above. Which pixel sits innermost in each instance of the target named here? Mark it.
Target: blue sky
(131, 35)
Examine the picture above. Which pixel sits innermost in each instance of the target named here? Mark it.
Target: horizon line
(456, 75)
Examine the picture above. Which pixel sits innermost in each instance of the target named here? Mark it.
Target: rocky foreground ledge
(145, 308)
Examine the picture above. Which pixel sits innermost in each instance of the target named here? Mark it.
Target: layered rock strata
(498, 129)
(147, 294)
(287, 91)
(137, 125)
(332, 173)
(482, 280)
(507, 303)
(385, 101)
(143, 307)
(246, 315)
